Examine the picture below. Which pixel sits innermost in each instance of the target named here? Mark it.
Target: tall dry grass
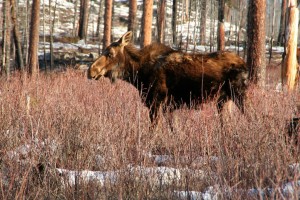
(64, 120)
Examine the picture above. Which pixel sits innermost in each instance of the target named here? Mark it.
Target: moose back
(168, 77)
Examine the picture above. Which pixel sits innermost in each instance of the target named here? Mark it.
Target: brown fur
(167, 76)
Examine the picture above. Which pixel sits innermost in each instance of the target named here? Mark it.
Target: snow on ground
(209, 194)
(289, 190)
(155, 176)
(158, 176)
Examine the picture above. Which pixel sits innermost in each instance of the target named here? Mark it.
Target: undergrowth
(64, 120)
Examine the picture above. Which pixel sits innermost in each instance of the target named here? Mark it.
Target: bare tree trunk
(147, 23)
(188, 13)
(212, 26)
(181, 23)
(4, 22)
(100, 16)
(83, 19)
(132, 17)
(161, 21)
(174, 22)
(34, 38)
(221, 27)
(203, 22)
(195, 27)
(75, 17)
(99, 21)
(107, 23)
(16, 35)
(280, 39)
(289, 68)
(26, 35)
(52, 26)
(238, 27)
(8, 44)
(6, 41)
(44, 35)
(186, 9)
(256, 57)
(272, 33)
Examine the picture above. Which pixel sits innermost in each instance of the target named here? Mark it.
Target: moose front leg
(154, 115)
(155, 104)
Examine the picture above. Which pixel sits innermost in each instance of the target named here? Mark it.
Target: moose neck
(132, 63)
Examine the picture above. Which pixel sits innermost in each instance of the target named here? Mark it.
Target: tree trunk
(6, 41)
(34, 38)
(147, 22)
(272, 33)
(186, 2)
(83, 19)
(203, 22)
(174, 22)
(256, 57)
(75, 17)
(4, 22)
(16, 35)
(212, 26)
(100, 16)
(221, 27)
(280, 39)
(197, 7)
(239, 27)
(132, 17)
(188, 14)
(289, 68)
(26, 38)
(44, 35)
(161, 21)
(52, 26)
(107, 23)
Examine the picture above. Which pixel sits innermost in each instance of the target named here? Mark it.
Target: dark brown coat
(165, 76)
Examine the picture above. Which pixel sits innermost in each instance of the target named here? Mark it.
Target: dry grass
(70, 122)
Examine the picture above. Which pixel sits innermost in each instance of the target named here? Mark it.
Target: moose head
(111, 63)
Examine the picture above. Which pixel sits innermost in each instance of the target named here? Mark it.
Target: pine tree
(107, 23)
(289, 64)
(147, 23)
(34, 38)
(174, 22)
(83, 18)
(256, 58)
(161, 21)
(280, 39)
(16, 35)
(221, 26)
(203, 22)
(132, 17)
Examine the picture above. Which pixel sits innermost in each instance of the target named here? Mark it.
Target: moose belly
(191, 91)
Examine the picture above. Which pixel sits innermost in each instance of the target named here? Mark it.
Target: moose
(167, 77)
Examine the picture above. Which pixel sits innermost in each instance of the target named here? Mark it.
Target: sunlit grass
(65, 120)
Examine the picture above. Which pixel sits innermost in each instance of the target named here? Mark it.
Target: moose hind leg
(220, 103)
(153, 114)
(239, 102)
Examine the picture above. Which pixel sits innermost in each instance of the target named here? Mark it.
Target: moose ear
(126, 38)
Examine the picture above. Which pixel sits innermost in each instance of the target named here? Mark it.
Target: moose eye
(110, 55)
